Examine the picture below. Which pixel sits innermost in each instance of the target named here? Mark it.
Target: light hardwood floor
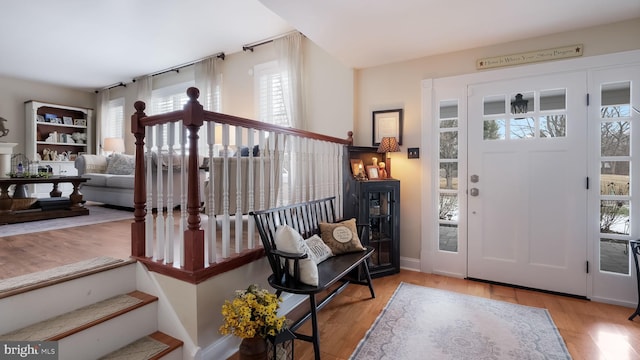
(591, 330)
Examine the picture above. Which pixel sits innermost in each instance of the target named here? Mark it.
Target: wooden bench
(305, 218)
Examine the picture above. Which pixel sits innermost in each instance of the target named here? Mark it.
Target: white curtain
(209, 81)
(145, 87)
(290, 62)
(101, 118)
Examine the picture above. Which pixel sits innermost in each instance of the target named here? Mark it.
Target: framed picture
(67, 120)
(80, 122)
(372, 172)
(40, 118)
(51, 118)
(387, 123)
(356, 166)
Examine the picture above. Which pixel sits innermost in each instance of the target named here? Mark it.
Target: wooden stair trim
(145, 300)
(168, 340)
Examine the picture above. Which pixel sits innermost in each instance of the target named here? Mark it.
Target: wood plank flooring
(591, 330)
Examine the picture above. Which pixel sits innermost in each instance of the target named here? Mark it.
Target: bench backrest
(305, 218)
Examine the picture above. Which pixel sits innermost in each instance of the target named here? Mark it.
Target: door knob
(474, 178)
(474, 192)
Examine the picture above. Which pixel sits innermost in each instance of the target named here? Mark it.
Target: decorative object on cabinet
(382, 170)
(372, 172)
(387, 123)
(3, 130)
(357, 168)
(388, 145)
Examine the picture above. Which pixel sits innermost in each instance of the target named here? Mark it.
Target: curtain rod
(250, 46)
(219, 55)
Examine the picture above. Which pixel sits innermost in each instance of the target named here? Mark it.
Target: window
(269, 92)
(448, 206)
(114, 125)
(165, 100)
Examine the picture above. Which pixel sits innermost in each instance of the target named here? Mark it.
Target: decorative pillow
(289, 240)
(319, 250)
(341, 237)
(121, 164)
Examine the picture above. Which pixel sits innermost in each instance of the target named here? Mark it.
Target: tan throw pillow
(319, 250)
(341, 237)
(289, 240)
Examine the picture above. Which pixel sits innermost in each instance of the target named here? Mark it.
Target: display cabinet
(55, 135)
(375, 204)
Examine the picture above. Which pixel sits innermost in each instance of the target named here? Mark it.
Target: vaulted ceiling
(90, 45)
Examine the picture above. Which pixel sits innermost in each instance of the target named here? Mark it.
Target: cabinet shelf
(50, 128)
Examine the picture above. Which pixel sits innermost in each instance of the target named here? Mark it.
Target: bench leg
(368, 274)
(314, 326)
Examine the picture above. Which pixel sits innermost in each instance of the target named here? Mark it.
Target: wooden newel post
(193, 235)
(139, 185)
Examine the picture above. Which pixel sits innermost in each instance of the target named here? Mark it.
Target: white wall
(14, 93)
(329, 86)
(398, 85)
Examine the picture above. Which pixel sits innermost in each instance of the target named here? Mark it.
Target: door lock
(474, 178)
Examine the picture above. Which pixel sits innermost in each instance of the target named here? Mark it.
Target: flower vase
(254, 348)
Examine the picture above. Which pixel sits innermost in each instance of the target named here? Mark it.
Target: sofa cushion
(96, 179)
(121, 164)
(120, 181)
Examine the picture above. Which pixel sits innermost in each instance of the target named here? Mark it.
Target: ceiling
(91, 45)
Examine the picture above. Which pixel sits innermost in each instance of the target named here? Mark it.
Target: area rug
(425, 323)
(97, 214)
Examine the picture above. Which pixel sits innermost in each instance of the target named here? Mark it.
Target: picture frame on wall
(387, 123)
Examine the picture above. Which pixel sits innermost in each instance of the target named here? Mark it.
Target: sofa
(111, 179)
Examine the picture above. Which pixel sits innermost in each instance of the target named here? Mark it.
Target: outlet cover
(413, 153)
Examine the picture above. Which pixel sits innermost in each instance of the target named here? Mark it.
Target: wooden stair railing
(193, 268)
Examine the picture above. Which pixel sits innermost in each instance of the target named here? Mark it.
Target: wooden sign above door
(530, 57)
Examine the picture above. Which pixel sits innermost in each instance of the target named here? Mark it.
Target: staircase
(98, 316)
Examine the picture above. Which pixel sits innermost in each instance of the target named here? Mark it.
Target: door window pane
(494, 130)
(448, 207)
(494, 105)
(553, 100)
(553, 126)
(614, 216)
(448, 237)
(449, 145)
(449, 175)
(522, 103)
(614, 256)
(614, 138)
(522, 128)
(614, 177)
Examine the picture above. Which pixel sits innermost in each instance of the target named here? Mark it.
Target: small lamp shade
(113, 145)
(388, 145)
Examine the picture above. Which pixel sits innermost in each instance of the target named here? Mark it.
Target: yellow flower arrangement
(253, 312)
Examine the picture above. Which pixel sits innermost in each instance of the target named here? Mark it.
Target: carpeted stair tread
(77, 320)
(149, 347)
(40, 279)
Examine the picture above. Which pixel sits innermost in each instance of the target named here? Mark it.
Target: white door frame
(455, 264)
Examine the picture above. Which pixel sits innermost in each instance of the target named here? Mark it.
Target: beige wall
(13, 94)
(398, 85)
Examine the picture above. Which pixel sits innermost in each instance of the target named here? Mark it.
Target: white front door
(527, 183)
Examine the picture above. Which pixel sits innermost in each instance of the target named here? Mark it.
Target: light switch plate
(413, 153)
